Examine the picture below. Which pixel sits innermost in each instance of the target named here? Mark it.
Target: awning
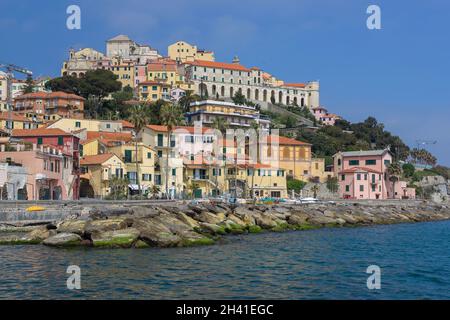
(135, 187)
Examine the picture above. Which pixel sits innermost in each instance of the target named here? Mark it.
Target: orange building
(60, 103)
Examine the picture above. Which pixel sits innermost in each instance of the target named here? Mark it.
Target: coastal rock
(143, 211)
(63, 240)
(72, 226)
(322, 220)
(265, 221)
(156, 234)
(237, 220)
(124, 238)
(187, 220)
(40, 234)
(191, 238)
(107, 225)
(209, 218)
(297, 218)
(212, 228)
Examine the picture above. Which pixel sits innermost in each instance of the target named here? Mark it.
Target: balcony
(200, 177)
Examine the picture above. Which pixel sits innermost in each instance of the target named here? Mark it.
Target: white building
(126, 48)
(223, 80)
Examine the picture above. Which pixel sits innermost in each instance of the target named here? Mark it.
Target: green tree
(315, 189)
(239, 98)
(296, 185)
(332, 184)
(408, 170)
(29, 88)
(118, 187)
(155, 191)
(187, 99)
(171, 116)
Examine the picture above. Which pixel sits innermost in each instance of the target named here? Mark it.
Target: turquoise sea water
(317, 264)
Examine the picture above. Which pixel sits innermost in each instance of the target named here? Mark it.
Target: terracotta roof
(96, 159)
(161, 67)
(117, 136)
(49, 95)
(360, 169)
(295, 85)
(218, 65)
(14, 116)
(286, 141)
(191, 130)
(39, 132)
(127, 124)
(154, 83)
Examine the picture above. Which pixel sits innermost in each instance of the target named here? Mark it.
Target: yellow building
(98, 171)
(147, 159)
(90, 147)
(164, 72)
(152, 91)
(156, 136)
(124, 70)
(184, 52)
(9, 121)
(295, 158)
(70, 125)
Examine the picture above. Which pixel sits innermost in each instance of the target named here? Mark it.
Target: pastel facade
(321, 114)
(182, 51)
(152, 91)
(122, 46)
(207, 111)
(164, 71)
(13, 179)
(147, 159)
(124, 70)
(59, 103)
(223, 80)
(13, 120)
(50, 174)
(71, 125)
(82, 61)
(364, 175)
(98, 171)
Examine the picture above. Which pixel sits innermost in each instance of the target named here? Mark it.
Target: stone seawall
(176, 224)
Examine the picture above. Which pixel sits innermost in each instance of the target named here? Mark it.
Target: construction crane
(425, 142)
(10, 69)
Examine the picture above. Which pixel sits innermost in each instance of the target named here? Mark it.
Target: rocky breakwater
(204, 224)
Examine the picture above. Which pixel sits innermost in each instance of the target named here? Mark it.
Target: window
(128, 156)
(347, 188)
(174, 172)
(39, 140)
(146, 177)
(361, 188)
(343, 177)
(160, 153)
(353, 162)
(371, 162)
(160, 140)
(387, 162)
(60, 141)
(358, 176)
(78, 124)
(149, 155)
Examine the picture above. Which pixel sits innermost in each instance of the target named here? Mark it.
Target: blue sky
(397, 74)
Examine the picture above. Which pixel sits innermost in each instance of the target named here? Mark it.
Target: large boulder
(212, 228)
(191, 238)
(187, 220)
(108, 225)
(172, 223)
(124, 238)
(265, 221)
(63, 240)
(72, 226)
(40, 234)
(297, 218)
(209, 218)
(156, 234)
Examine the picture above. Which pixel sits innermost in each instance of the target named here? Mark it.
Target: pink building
(58, 139)
(49, 171)
(321, 114)
(140, 74)
(363, 175)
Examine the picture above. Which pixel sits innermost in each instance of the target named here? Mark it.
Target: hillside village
(131, 123)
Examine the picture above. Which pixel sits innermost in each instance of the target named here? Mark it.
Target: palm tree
(155, 191)
(171, 116)
(220, 124)
(138, 117)
(187, 99)
(192, 187)
(315, 189)
(255, 126)
(394, 171)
